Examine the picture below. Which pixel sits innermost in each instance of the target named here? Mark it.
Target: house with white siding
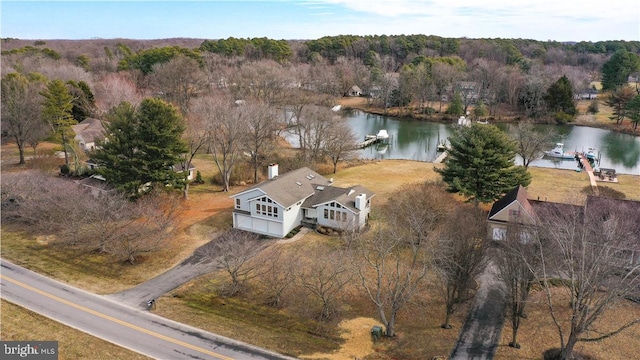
(299, 197)
(88, 131)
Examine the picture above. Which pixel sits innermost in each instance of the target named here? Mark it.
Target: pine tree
(57, 107)
(455, 106)
(480, 164)
(617, 69)
(559, 97)
(142, 146)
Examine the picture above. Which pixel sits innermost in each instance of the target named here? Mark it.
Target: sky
(558, 20)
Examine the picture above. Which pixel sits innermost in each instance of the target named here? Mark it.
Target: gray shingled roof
(343, 196)
(291, 187)
(90, 129)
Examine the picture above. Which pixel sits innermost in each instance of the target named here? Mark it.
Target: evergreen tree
(618, 68)
(633, 111)
(141, 147)
(559, 97)
(455, 106)
(480, 164)
(618, 100)
(57, 111)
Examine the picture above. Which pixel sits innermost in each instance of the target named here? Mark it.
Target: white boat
(558, 152)
(336, 108)
(463, 121)
(591, 154)
(382, 135)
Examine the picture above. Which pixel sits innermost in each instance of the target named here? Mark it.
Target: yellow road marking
(118, 321)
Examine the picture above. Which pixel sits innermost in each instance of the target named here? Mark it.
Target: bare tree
(113, 89)
(340, 143)
(178, 81)
(148, 226)
(265, 80)
(460, 256)
(395, 257)
(195, 137)
(314, 125)
(232, 252)
(226, 126)
(325, 277)
(531, 144)
(21, 110)
(260, 139)
(517, 263)
(443, 76)
(108, 223)
(590, 248)
(278, 272)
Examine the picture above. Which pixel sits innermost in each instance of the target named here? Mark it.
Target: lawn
(538, 333)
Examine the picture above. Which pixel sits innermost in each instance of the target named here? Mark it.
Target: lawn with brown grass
(538, 333)
(19, 324)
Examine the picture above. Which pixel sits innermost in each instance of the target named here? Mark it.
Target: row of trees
(71, 217)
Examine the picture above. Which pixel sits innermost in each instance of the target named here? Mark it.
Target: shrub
(593, 107)
(562, 118)
(65, 170)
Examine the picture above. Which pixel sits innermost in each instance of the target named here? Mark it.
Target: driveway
(196, 265)
(480, 334)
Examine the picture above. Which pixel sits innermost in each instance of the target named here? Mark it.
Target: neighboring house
(92, 165)
(182, 168)
(353, 91)
(299, 197)
(634, 77)
(96, 185)
(590, 94)
(88, 131)
(516, 208)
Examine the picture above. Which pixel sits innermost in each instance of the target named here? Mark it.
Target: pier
(368, 141)
(586, 165)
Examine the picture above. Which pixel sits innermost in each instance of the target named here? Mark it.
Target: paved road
(480, 334)
(131, 328)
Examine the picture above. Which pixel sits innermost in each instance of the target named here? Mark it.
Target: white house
(283, 202)
(87, 132)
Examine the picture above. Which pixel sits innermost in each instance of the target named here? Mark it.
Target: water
(418, 140)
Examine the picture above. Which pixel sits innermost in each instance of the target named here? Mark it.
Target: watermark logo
(32, 350)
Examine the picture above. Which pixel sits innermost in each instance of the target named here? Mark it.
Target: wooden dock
(586, 165)
(368, 141)
(441, 157)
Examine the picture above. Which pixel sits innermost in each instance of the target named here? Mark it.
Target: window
(499, 234)
(525, 237)
(326, 213)
(265, 209)
(237, 203)
(514, 213)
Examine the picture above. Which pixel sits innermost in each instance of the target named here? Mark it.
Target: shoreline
(396, 113)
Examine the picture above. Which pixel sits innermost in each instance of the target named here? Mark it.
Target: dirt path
(480, 334)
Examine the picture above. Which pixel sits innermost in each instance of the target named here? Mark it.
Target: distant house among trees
(353, 91)
(299, 197)
(88, 131)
